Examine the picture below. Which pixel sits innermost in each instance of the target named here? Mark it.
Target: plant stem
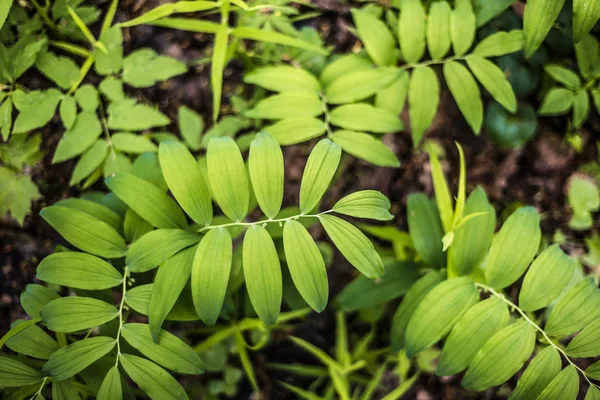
(535, 326)
(121, 319)
(85, 68)
(39, 392)
(42, 11)
(264, 221)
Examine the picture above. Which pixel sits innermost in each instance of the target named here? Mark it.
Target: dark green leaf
(425, 229)
(152, 379)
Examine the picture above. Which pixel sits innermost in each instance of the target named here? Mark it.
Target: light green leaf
(563, 75)
(585, 16)
(126, 115)
(575, 309)
(366, 147)
(15, 374)
(165, 10)
(539, 373)
(466, 93)
(219, 61)
(287, 105)
(35, 297)
(158, 246)
(70, 314)
(306, 265)
(170, 352)
(6, 110)
(36, 109)
(147, 200)
(185, 180)
(348, 63)
(376, 37)
(32, 342)
(112, 89)
(17, 192)
(64, 390)
(228, 177)
(111, 61)
(78, 270)
(581, 107)
(564, 386)
(538, 18)
(152, 379)
(409, 304)
(210, 274)
(557, 101)
(513, 248)
(592, 393)
(586, 344)
(425, 229)
(318, 172)
(265, 164)
(462, 26)
(144, 68)
(80, 137)
(393, 97)
(87, 97)
(438, 28)
(61, 70)
(365, 117)
(423, 99)
(470, 333)
(132, 143)
(488, 10)
(135, 226)
(4, 10)
(72, 359)
(588, 58)
(500, 357)
(283, 78)
(365, 204)
(90, 161)
(546, 279)
(353, 245)
(85, 232)
(438, 312)
(593, 371)
(139, 298)
(24, 53)
(262, 273)
(296, 130)
(111, 386)
(191, 126)
(499, 44)
(411, 30)
(494, 81)
(188, 24)
(361, 84)
(269, 36)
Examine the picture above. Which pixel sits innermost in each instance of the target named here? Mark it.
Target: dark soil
(536, 174)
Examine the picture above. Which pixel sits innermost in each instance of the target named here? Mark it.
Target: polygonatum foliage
(114, 244)
(434, 31)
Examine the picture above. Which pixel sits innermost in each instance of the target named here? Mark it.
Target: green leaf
(70, 314)
(283, 78)
(150, 202)
(24, 53)
(78, 270)
(96, 210)
(462, 26)
(365, 117)
(539, 373)
(219, 61)
(438, 312)
(563, 75)
(546, 279)
(170, 352)
(265, 164)
(581, 107)
(210, 274)
(132, 143)
(72, 359)
(359, 85)
(593, 371)
(35, 297)
(165, 10)
(87, 97)
(61, 70)
(586, 344)
(135, 226)
(36, 109)
(144, 68)
(466, 93)
(365, 147)
(486, 10)
(564, 386)
(262, 273)
(513, 248)
(500, 357)
(269, 36)
(152, 379)
(17, 192)
(228, 177)
(80, 137)
(32, 342)
(393, 97)
(4, 10)
(411, 30)
(365, 204)
(112, 89)
(438, 27)
(188, 24)
(557, 101)
(318, 172)
(287, 105)
(592, 393)
(588, 59)
(15, 374)
(473, 237)
(538, 18)
(6, 110)
(191, 126)
(348, 63)
(85, 232)
(575, 309)
(499, 44)
(306, 265)
(425, 229)
(90, 161)
(169, 282)
(139, 298)
(185, 180)
(409, 304)
(423, 99)
(127, 115)
(470, 333)
(353, 245)
(111, 61)
(111, 386)
(158, 246)
(585, 16)
(494, 81)
(296, 130)
(64, 390)
(376, 37)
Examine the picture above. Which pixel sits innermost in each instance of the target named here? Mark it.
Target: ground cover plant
(276, 199)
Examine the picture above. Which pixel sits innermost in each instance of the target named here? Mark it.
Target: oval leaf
(365, 204)
(494, 81)
(586, 344)
(575, 309)
(283, 78)
(72, 359)
(318, 172)
(423, 99)
(265, 164)
(538, 374)
(158, 246)
(466, 93)
(366, 147)
(365, 117)
(70, 314)
(78, 270)
(564, 386)
(152, 379)
(376, 37)
(411, 30)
